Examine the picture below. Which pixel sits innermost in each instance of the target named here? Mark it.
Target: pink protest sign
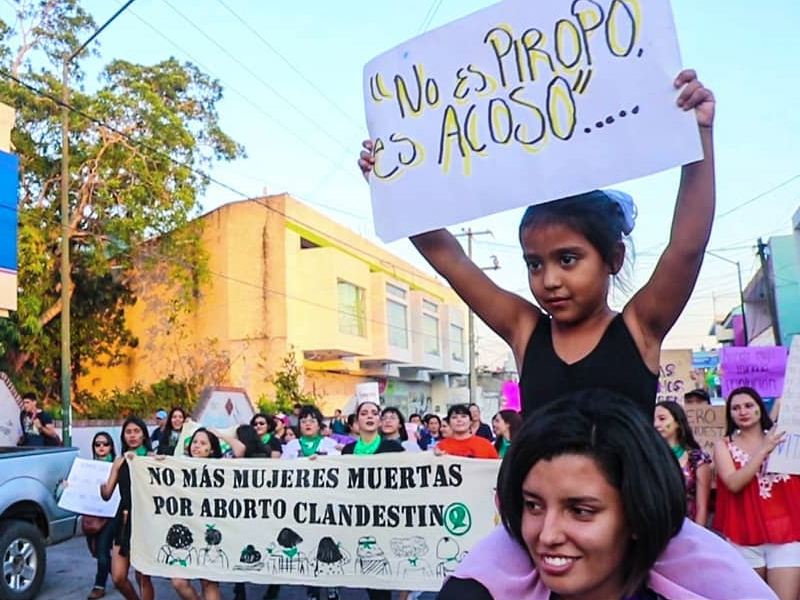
(759, 367)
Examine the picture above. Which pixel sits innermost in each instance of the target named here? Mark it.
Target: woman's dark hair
(213, 440)
(685, 435)
(358, 408)
(766, 423)
(309, 410)
(593, 214)
(179, 536)
(270, 421)
(428, 419)
(168, 425)
(141, 425)
(107, 436)
(396, 411)
(609, 429)
(328, 551)
(293, 429)
(253, 446)
(514, 421)
(289, 538)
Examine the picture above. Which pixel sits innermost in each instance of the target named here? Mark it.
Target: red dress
(766, 511)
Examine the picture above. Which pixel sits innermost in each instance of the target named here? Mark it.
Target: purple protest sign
(759, 367)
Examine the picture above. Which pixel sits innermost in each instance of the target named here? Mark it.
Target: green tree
(288, 388)
(128, 186)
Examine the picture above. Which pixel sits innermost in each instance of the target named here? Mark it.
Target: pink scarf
(697, 565)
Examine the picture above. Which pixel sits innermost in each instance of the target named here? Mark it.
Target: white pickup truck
(29, 515)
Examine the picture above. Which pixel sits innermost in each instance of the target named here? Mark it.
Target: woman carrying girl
(671, 423)
(505, 424)
(592, 497)
(572, 248)
(757, 510)
(100, 543)
(134, 441)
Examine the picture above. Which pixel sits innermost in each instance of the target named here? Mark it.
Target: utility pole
(763, 249)
(473, 374)
(66, 280)
(741, 290)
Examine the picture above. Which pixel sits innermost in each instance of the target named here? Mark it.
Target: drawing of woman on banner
(370, 559)
(290, 559)
(412, 550)
(179, 549)
(450, 555)
(212, 555)
(331, 558)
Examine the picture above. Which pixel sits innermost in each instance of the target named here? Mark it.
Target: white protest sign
(390, 521)
(368, 392)
(786, 457)
(520, 103)
(82, 494)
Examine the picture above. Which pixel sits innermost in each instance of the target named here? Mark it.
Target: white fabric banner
(521, 103)
(82, 492)
(389, 521)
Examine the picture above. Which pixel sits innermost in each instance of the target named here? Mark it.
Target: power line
(428, 18)
(761, 195)
(258, 78)
(288, 63)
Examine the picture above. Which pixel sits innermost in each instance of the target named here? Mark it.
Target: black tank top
(615, 364)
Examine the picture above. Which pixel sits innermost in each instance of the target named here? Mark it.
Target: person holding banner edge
(573, 247)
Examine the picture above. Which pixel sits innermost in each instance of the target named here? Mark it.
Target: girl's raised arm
(510, 316)
(658, 304)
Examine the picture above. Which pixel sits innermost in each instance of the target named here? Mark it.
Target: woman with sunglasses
(100, 543)
(266, 430)
(134, 441)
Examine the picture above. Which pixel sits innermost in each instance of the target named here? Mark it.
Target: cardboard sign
(675, 375)
(389, 521)
(520, 103)
(708, 425)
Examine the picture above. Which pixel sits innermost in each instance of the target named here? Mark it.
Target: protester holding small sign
(100, 541)
(671, 423)
(756, 510)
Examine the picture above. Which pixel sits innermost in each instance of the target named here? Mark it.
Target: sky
(292, 73)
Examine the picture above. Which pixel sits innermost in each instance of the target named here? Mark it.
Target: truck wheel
(23, 560)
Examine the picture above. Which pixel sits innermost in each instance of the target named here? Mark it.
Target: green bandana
(140, 451)
(266, 438)
(310, 445)
(290, 552)
(364, 448)
(179, 561)
(678, 451)
(504, 445)
(109, 458)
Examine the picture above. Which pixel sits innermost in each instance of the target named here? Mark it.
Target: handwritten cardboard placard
(786, 456)
(399, 521)
(708, 425)
(82, 492)
(674, 375)
(759, 367)
(520, 103)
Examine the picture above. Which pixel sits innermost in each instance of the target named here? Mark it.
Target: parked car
(30, 517)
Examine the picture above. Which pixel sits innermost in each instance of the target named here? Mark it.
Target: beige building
(286, 278)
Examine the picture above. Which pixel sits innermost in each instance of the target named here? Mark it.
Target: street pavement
(71, 569)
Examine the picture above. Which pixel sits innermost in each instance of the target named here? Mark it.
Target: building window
(430, 334)
(352, 309)
(456, 342)
(429, 307)
(397, 317)
(397, 292)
